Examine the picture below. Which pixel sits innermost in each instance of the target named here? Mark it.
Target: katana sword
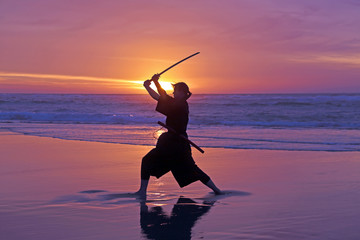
(180, 135)
(178, 63)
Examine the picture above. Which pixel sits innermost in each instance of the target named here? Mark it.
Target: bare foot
(141, 194)
(219, 192)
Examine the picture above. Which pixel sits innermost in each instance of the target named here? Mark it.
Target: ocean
(307, 122)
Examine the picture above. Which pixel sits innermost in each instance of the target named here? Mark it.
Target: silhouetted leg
(205, 179)
(145, 176)
(212, 186)
(143, 187)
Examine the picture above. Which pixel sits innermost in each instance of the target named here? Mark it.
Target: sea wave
(62, 115)
(75, 118)
(324, 122)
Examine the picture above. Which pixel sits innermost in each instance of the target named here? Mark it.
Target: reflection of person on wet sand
(156, 225)
(172, 153)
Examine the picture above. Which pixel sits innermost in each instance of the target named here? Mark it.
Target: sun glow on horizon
(58, 82)
(167, 86)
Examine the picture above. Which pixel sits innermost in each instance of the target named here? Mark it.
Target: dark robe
(172, 153)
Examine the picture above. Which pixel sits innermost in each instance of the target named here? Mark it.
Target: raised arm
(153, 94)
(160, 90)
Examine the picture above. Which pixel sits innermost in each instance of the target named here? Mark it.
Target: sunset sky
(247, 46)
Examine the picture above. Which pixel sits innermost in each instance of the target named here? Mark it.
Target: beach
(65, 189)
(269, 90)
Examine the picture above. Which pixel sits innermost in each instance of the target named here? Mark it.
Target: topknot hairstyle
(182, 87)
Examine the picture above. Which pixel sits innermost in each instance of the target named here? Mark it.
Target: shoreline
(4, 129)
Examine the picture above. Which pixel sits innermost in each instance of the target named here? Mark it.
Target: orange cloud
(57, 82)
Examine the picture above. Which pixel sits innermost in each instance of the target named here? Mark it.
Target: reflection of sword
(182, 136)
(178, 63)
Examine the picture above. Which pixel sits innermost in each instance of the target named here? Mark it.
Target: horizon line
(278, 93)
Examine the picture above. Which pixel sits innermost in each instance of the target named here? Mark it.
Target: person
(172, 153)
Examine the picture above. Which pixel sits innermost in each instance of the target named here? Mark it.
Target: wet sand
(61, 189)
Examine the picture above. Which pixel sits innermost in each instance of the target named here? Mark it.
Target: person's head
(181, 91)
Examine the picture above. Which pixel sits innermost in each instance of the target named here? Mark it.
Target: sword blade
(178, 63)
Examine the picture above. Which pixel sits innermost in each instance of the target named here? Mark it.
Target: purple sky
(246, 46)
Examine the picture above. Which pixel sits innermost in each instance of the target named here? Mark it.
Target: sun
(167, 86)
